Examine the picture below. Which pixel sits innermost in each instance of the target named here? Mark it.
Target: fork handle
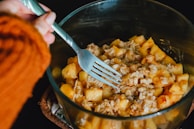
(38, 10)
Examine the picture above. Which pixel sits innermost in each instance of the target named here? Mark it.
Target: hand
(42, 23)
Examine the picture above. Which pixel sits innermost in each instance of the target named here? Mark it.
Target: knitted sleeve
(24, 57)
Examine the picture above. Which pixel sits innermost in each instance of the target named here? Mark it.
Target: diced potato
(175, 89)
(103, 57)
(83, 76)
(137, 124)
(182, 77)
(157, 52)
(70, 81)
(159, 120)
(158, 91)
(107, 92)
(166, 73)
(111, 124)
(149, 59)
(138, 39)
(123, 104)
(56, 72)
(163, 101)
(96, 122)
(79, 99)
(183, 85)
(74, 60)
(146, 46)
(177, 69)
(70, 71)
(175, 97)
(149, 124)
(93, 94)
(157, 81)
(125, 78)
(162, 79)
(133, 37)
(82, 119)
(171, 115)
(67, 89)
(118, 51)
(87, 125)
(116, 60)
(116, 42)
(168, 60)
(87, 104)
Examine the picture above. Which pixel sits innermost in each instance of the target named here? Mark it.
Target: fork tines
(106, 74)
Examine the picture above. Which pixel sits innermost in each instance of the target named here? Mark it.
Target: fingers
(43, 24)
(17, 7)
(49, 38)
(10, 6)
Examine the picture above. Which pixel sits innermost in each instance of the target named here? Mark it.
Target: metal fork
(87, 61)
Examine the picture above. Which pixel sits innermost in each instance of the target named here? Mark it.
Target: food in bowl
(151, 80)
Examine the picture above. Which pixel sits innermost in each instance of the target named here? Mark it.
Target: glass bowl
(106, 20)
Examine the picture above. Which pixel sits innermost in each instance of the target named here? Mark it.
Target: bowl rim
(72, 13)
(188, 95)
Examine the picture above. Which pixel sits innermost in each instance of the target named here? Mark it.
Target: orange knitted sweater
(24, 57)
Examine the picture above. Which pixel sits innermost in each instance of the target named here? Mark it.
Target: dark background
(31, 116)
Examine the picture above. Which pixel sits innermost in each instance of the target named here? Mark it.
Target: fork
(87, 61)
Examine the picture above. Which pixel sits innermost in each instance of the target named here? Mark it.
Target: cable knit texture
(24, 57)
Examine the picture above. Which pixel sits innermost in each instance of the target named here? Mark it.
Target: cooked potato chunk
(138, 39)
(67, 89)
(111, 124)
(93, 94)
(150, 124)
(146, 46)
(83, 76)
(168, 60)
(157, 52)
(70, 71)
(177, 69)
